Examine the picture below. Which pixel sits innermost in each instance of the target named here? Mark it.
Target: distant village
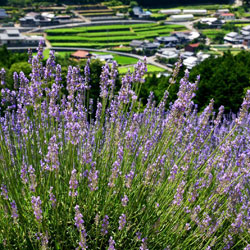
(191, 44)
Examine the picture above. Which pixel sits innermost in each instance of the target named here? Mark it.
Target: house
(13, 38)
(136, 43)
(192, 47)
(193, 35)
(3, 14)
(234, 38)
(245, 31)
(34, 19)
(212, 22)
(168, 54)
(227, 16)
(138, 12)
(181, 36)
(201, 56)
(151, 46)
(221, 11)
(190, 62)
(170, 12)
(186, 54)
(168, 41)
(81, 54)
(195, 12)
(181, 18)
(104, 58)
(146, 45)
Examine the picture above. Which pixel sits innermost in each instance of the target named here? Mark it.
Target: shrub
(122, 177)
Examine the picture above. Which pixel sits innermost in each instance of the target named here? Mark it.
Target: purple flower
(14, 212)
(52, 197)
(144, 244)
(51, 161)
(33, 183)
(93, 179)
(111, 243)
(73, 184)
(122, 221)
(79, 224)
(105, 224)
(4, 192)
(125, 200)
(36, 205)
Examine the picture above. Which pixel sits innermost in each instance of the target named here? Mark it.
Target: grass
(212, 33)
(121, 60)
(151, 69)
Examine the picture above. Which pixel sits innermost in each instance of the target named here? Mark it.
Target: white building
(104, 58)
(191, 62)
(201, 56)
(170, 11)
(168, 54)
(195, 12)
(221, 11)
(193, 35)
(181, 18)
(234, 38)
(13, 38)
(208, 20)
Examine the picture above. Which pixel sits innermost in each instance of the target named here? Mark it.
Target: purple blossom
(14, 212)
(36, 205)
(105, 224)
(52, 197)
(125, 200)
(4, 192)
(79, 222)
(111, 243)
(73, 184)
(144, 244)
(122, 221)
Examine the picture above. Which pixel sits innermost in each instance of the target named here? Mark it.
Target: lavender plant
(124, 177)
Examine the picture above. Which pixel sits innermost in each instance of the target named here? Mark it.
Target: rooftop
(227, 14)
(81, 54)
(194, 45)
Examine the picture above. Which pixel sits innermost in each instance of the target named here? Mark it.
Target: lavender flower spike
(36, 205)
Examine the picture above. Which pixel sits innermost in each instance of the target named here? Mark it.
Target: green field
(108, 35)
(212, 33)
(151, 69)
(121, 60)
(88, 45)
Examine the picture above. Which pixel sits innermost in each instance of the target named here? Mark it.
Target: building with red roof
(192, 47)
(81, 54)
(227, 16)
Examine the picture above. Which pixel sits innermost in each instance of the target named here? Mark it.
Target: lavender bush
(123, 177)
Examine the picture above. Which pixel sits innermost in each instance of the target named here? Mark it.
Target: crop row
(94, 39)
(96, 28)
(110, 33)
(87, 45)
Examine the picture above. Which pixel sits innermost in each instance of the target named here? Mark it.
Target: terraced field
(108, 35)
